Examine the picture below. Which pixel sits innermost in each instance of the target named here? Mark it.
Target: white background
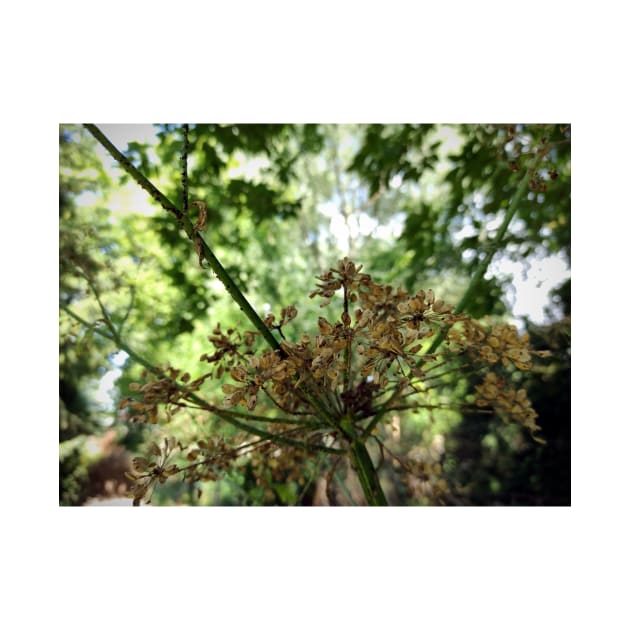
(314, 62)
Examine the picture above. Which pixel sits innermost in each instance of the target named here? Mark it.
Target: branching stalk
(491, 251)
(185, 170)
(188, 227)
(227, 416)
(205, 252)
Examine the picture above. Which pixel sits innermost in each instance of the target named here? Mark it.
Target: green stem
(188, 227)
(344, 488)
(126, 164)
(368, 477)
(481, 270)
(362, 463)
(185, 170)
(377, 417)
(348, 349)
(212, 260)
(491, 250)
(225, 415)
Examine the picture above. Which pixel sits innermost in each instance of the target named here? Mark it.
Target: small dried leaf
(325, 328)
(171, 470)
(193, 455)
(239, 374)
(365, 318)
(202, 219)
(141, 464)
(543, 354)
(198, 242)
(289, 313)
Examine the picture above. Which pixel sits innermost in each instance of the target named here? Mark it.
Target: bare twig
(185, 170)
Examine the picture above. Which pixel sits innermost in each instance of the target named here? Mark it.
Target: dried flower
(342, 381)
(148, 472)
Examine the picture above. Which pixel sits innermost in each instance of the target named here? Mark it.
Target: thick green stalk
(367, 474)
(362, 463)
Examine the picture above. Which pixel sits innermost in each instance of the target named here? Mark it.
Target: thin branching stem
(123, 321)
(493, 247)
(348, 340)
(221, 413)
(314, 472)
(185, 169)
(205, 252)
(192, 234)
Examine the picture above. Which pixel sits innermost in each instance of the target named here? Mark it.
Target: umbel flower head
(339, 384)
(374, 355)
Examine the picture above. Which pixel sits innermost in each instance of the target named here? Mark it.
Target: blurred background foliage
(415, 204)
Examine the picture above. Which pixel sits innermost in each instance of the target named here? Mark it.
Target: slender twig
(440, 374)
(185, 170)
(453, 407)
(106, 317)
(348, 349)
(246, 416)
(123, 321)
(344, 488)
(221, 413)
(253, 445)
(219, 456)
(277, 404)
(379, 415)
(316, 468)
(492, 249)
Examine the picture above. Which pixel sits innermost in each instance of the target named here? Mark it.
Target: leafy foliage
(483, 173)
